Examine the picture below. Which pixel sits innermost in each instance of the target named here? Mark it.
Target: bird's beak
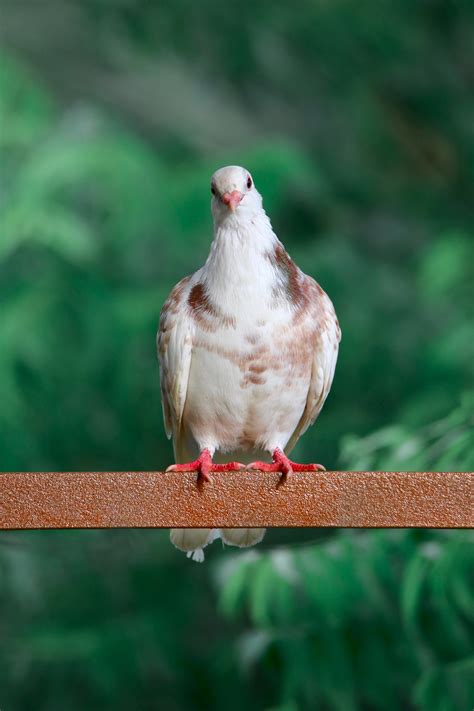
(232, 199)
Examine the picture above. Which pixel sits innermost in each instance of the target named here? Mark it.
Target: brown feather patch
(291, 281)
(205, 312)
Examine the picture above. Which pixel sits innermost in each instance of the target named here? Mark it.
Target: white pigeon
(247, 348)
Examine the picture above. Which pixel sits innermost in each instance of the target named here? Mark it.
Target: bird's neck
(239, 257)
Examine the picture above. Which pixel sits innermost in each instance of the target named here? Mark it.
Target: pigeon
(247, 347)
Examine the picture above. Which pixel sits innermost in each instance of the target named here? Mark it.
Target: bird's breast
(248, 383)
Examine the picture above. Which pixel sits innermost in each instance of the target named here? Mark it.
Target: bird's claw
(228, 467)
(285, 466)
(178, 468)
(204, 466)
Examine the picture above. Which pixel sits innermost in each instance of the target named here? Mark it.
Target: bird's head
(233, 192)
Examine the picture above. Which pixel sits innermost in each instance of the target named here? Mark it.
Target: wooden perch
(30, 500)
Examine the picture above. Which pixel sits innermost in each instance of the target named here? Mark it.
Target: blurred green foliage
(356, 122)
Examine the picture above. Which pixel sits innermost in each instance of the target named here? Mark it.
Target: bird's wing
(327, 339)
(174, 345)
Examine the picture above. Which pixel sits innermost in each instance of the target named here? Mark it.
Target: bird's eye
(249, 182)
(213, 190)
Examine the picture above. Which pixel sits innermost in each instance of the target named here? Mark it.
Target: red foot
(282, 464)
(204, 466)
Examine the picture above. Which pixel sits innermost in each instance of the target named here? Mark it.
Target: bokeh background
(356, 120)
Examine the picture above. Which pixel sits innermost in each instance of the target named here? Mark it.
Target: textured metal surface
(165, 500)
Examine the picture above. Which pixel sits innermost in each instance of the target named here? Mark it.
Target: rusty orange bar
(30, 500)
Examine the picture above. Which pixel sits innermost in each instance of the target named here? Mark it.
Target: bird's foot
(204, 466)
(285, 466)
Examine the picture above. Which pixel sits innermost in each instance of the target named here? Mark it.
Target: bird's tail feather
(194, 540)
(242, 537)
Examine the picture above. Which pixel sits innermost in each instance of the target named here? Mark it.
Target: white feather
(247, 347)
